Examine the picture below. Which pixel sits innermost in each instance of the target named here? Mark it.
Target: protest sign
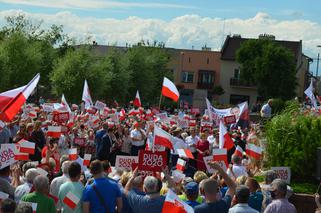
(7, 154)
(142, 172)
(100, 105)
(283, 173)
(61, 117)
(182, 124)
(152, 161)
(231, 119)
(80, 141)
(125, 162)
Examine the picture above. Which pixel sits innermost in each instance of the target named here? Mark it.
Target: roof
(232, 44)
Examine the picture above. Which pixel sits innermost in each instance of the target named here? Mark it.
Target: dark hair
(242, 193)
(8, 206)
(74, 170)
(76, 145)
(5, 170)
(106, 165)
(96, 167)
(24, 208)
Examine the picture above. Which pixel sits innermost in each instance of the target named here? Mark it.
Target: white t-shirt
(192, 141)
(267, 111)
(238, 171)
(137, 134)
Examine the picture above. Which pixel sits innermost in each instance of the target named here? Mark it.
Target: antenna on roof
(223, 34)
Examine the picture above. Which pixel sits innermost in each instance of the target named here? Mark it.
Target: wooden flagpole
(160, 100)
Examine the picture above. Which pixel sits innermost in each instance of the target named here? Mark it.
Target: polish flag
(86, 96)
(185, 153)
(21, 156)
(122, 115)
(254, 151)
(27, 147)
(73, 154)
(169, 90)
(54, 131)
(32, 114)
(11, 101)
(225, 140)
(71, 200)
(65, 103)
(220, 155)
(137, 101)
(173, 204)
(87, 158)
(180, 165)
(238, 151)
(192, 123)
(133, 112)
(163, 138)
(149, 113)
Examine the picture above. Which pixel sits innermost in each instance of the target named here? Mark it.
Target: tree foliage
(270, 66)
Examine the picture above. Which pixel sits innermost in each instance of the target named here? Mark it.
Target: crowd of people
(50, 181)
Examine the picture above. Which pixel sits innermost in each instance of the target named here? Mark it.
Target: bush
(293, 138)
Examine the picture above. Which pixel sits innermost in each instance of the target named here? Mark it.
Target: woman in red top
(203, 149)
(52, 152)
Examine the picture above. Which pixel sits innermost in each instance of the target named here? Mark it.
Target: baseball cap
(191, 187)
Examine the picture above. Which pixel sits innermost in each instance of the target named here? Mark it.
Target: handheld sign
(80, 141)
(142, 172)
(125, 162)
(7, 155)
(283, 173)
(100, 105)
(231, 119)
(152, 161)
(61, 117)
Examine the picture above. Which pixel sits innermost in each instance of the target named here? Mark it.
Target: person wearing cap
(241, 198)
(280, 203)
(191, 196)
(138, 137)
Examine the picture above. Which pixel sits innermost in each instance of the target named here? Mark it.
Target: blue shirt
(255, 200)
(145, 204)
(219, 206)
(192, 203)
(108, 189)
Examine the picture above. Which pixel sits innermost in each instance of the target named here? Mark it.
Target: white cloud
(181, 32)
(92, 4)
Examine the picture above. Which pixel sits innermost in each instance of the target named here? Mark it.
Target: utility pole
(318, 62)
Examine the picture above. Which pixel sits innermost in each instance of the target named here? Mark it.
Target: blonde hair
(241, 180)
(199, 176)
(124, 178)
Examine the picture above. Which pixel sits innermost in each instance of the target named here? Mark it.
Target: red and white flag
(185, 153)
(65, 103)
(173, 204)
(133, 112)
(73, 154)
(225, 140)
(137, 101)
(21, 156)
(27, 147)
(238, 151)
(122, 115)
(71, 200)
(11, 101)
(180, 165)
(254, 151)
(32, 114)
(54, 131)
(220, 155)
(86, 96)
(87, 158)
(169, 90)
(163, 138)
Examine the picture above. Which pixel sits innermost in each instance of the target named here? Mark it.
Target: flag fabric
(54, 131)
(254, 151)
(11, 101)
(73, 154)
(163, 138)
(173, 204)
(180, 166)
(225, 140)
(87, 158)
(65, 103)
(220, 155)
(27, 147)
(71, 200)
(21, 156)
(185, 153)
(86, 96)
(3, 195)
(169, 90)
(238, 151)
(32, 114)
(122, 115)
(309, 93)
(137, 101)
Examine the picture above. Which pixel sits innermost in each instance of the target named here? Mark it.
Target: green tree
(270, 66)
(70, 72)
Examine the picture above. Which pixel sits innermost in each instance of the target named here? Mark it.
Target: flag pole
(160, 100)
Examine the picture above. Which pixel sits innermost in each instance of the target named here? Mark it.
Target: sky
(179, 23)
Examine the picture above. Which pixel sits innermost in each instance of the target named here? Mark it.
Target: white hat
(2, 125)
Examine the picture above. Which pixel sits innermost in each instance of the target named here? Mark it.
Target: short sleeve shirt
(144, 204)
(74, 187)
(137, 134)
(221, 206)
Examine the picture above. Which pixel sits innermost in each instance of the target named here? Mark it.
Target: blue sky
(179, 23)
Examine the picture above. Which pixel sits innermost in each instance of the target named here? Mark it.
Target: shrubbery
(293, 138)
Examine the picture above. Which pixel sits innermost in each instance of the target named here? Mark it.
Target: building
(237, 91)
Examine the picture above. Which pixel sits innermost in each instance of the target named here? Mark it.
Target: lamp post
(318, 62)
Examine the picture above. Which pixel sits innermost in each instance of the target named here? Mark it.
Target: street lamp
(318, 61)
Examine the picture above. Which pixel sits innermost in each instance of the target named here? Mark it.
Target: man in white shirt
(178, 143)
(266, 111)
(138, 137)
(191, 143)
(237, 169)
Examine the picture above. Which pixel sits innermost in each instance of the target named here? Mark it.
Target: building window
(206, 77)
(237, 73)
(187, 77)
(236, 99)
(189, 59)
(208, 60)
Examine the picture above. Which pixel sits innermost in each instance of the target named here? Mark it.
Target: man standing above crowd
(266, 111)
(103, 143)
(138, 137)
(191, 142)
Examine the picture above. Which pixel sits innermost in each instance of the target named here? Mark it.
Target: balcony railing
(235, 82)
